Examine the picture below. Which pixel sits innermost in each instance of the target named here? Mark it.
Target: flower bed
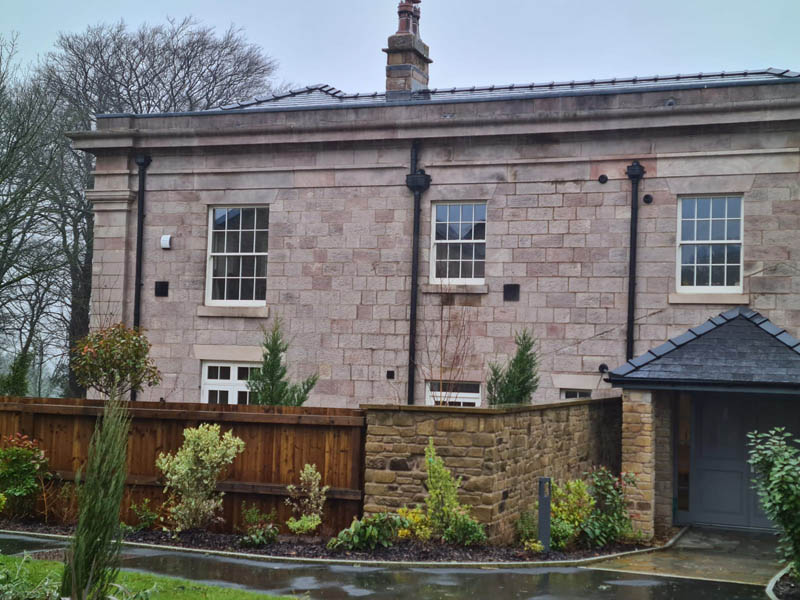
(787, 588)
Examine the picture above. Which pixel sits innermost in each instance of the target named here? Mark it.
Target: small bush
(16, 583)
(146, 517)
(571, 505)
(463, 530)
(2, 502)
(448, 518)
(23, 467)
(370, 532)
(527, 526)
(519, 379)
(563, 535)
(419, 525)
(308, 499)
(533, 546)
(776, 466)
(191, 474)
(305, 525)
(259, 527)
(609, 520)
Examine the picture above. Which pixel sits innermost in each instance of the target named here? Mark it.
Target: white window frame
(575, 394)
(454, 280)
(455, 399)
(709, 289)
(210, 258)
(233, 385)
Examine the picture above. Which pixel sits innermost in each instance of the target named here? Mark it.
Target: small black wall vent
(162, 289)
(511, 292)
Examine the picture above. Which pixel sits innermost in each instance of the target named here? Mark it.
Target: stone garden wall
(500, 453)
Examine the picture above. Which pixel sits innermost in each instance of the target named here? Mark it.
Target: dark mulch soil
(291, 546)
(788, 588)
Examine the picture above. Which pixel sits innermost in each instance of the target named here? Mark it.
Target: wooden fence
(278, 442)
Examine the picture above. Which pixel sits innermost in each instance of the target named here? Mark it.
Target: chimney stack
(407, 55)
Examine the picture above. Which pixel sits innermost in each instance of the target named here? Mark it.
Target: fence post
(544, 513)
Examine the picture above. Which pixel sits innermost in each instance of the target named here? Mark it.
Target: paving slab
(715, 555)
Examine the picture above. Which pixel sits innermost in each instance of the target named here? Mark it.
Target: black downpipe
(417, 181)
(635, 173)
(142, 162)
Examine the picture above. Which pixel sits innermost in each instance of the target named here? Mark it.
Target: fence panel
(278, 442)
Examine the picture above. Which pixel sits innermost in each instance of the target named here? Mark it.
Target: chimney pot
(407, 60)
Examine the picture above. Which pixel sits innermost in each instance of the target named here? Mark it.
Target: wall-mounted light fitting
(166, 242)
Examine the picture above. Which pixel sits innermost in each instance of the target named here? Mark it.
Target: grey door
(721, 492)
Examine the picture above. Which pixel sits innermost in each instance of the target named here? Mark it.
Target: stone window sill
(435, 288)
(737, 299)
(245, 312)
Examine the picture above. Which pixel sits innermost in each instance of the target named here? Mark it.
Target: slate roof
(326, 96)
(739, 347)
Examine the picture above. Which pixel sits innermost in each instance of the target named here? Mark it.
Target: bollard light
(544, 513)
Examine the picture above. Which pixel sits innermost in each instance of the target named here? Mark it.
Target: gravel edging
(774, 581)
(375, 563)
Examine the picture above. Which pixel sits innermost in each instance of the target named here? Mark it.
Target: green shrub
(308, 498)
(2, 502)
(609, 520)
(518, 380)
(305, 525)
(17, 583)
(562, 534)
(269, 384)
(146, 517)
(527, 526)
(419, 525)
(259, 527)
(191, 474)
(23, 468)
(448, 517)
(369, 533)
(15, 382)
(534, 546)
(776, 467)
(463, 530)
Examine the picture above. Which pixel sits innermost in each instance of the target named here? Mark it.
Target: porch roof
(737, 350)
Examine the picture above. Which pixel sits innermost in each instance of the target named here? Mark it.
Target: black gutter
(142, 161)
(417, 181)
(635, 172)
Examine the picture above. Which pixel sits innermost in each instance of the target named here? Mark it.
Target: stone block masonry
(499, 453)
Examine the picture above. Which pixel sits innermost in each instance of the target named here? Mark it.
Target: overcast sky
(472, 42)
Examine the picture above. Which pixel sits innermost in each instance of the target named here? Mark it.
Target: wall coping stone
(449, 410)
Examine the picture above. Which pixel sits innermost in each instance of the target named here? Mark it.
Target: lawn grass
(166, 588)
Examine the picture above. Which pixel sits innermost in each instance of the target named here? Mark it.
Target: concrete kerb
(774, 581)
(372, 563)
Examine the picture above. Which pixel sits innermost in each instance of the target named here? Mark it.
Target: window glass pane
(224, 372)
(233, 219)
(262, 218)
(248, 218)
(452, 232)
(733, 276)
(717, 275)
(247, 289)
(212, 396)
(687, 208)
(441, 269)
(231, 289)
(248, 266)
(243, 373)
(262, 240)
(218, 242)
(466, 231)
(480, 231)
(261, 266)
(223, 397)
(218, 266)
(734, 254)
(441, 232)
(453, 269)
(441, 251)
(232, 244)
(703, 254)
(703, 230)
(466, 212)
(718, 254)
(734, 208)
(241, 397)
(687, 275)
(734, 229)
(233, 266)
(480, 212)
(466, 269)
(479, 269)
(219, 218)
(213, 372)
(441, 213)
(454, 213)
(718, 229)
(687, 231)
(702, 275)
(247, 241)
(467, 250)
(703, 208)
(480, 251)
(218, 289)
(687, 255)
(454, 251)
(261, 289)
(718, 208)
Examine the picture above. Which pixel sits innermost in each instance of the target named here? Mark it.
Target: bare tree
(179, 66)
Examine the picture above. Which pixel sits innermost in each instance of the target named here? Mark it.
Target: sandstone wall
(499, 453)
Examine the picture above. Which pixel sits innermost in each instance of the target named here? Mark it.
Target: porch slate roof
(739, 347)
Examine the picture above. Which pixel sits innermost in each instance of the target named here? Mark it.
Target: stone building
(302, 206)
